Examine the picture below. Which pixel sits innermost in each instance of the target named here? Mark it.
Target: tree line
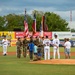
(54, 21)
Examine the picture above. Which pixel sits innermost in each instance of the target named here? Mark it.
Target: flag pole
(42, 29)
(34, 24)
(42, 23)
(25, 11)
(35, 21)
(26, 30)
(25, 15)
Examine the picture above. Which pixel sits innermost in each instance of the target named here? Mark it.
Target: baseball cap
(55, 34)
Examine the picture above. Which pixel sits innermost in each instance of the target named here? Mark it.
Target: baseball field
(11, 65)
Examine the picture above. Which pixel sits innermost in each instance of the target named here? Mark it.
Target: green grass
(10, 49)
(11, 65)
(13, 49)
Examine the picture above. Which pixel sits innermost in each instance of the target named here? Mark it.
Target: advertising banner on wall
(37, 34)
(21, 34)
(49, 34)
(73, 35)
(62, 35)
(13, 42)
(8, 34)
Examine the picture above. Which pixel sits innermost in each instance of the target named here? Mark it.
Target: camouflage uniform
(36, 41)
(42, 47)
(25, 44)
(19, 44)
(40, 43)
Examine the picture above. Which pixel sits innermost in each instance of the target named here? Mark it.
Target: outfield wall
(62, 35)
(14, 35)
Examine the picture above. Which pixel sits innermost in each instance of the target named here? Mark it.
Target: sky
(60, 7)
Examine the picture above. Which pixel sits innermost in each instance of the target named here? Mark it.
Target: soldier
(37, 41)
(18, 44)
(42, 46)
(25, 44)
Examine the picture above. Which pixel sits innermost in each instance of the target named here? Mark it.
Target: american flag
(34, 24)
(45, 27)
(26, 30)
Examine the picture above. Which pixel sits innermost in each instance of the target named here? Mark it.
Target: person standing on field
(67, 47)
(4, 44)
(65, 39)
(56, 43)
(31, 48)
(36, 41)
(35, 52)
(25, 44)
(19, 45)
(42, 46)
(39, 53)
(46, 43)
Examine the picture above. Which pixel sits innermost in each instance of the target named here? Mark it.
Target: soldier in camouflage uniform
(39, 42)
(19, 45)
(36, 41)
(25, 44)
(42, 46)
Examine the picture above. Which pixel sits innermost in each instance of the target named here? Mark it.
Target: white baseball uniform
(56, 43)
(5, 44)
(46, 43)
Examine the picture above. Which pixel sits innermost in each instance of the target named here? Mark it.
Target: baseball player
(46, 43)
(56, 43)
(5, 44)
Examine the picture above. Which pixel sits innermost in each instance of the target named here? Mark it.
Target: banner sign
(19, 34)
(49, 34)
(62, 35)
(37, 34)
(73, 35)
(8, 34)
